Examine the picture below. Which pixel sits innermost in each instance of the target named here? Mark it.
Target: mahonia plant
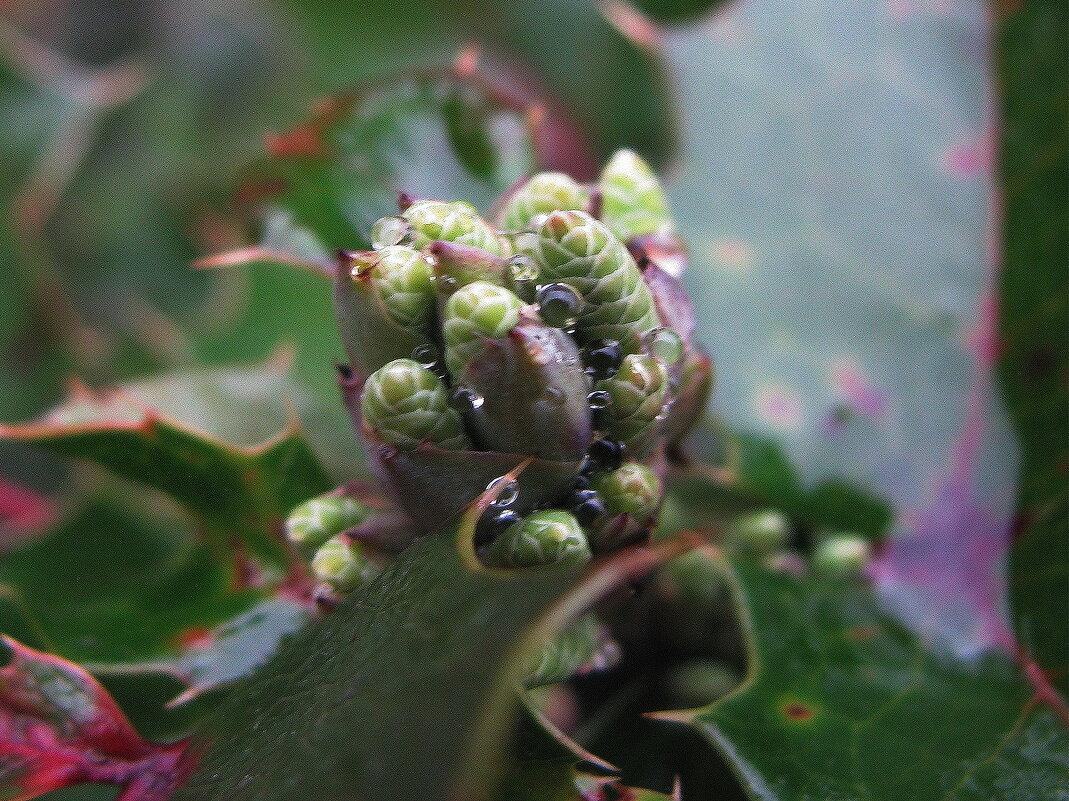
(555, 335)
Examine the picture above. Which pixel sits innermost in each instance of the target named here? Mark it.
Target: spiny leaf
(843, 702)
(138, 432)
(59, 727)
(342, 710)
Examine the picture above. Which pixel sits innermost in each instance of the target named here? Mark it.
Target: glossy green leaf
(834, 188)
(843, 702)
(165, 433)
(115, 585)
(342, 710)
(1033, 336)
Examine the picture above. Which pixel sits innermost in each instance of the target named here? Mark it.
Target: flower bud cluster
(554, 333)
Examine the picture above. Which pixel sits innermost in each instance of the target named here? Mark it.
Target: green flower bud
(315, 521)
(543, 193)
(342, 564)
(572, 247)
(841, 556)
(631, 489)
(385, 303)
(474, 313)
(637, 395)
(406, 404)
(548, 537)
(759, 533)
(452, 222)
(459, 265)
(632, 200)
(568, 652)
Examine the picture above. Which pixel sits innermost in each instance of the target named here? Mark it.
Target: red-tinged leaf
(207, 438)
(22, 511)
(59, 727)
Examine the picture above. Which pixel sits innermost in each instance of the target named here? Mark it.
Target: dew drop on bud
(523, 269)
(599, 399)
(603, 358)
(664, 344)
(426, 355)
(389, 231)
(559, 305)
(604, 454)
(466, 400)
(387, 452)
(552, 397)
(509, 491)
(537, 221)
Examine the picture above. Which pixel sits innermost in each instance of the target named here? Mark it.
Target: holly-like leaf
(404, 691)
(834, 188)
(1033, 336)
(237, 647)
(165, 433)
(329, 178)
(109, 586)
(59, 727)
(843, 702)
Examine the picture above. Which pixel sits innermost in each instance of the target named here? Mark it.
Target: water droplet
(502, 521)
(523, 269)
(559, 305)
(603, 358)
(605, 454)
(447, 283)
(552, 397)
(430, 258)
(599, 399)
(509, 491)
(389, 231)
(466, 400)
(387, 452)
(426, 355)
(664, 344)
(587, 506)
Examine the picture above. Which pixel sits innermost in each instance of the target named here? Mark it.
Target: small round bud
(759, 533)
(841, 556)
(451, 222)
(573, 248)
(406, 404)
(476, 312)
(341, 563)
(548, 537)
(638, 393)
(315, 521)
(633, 202)
(631, 489)
(543, 193)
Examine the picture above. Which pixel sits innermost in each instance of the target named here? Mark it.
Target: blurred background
(832, 166)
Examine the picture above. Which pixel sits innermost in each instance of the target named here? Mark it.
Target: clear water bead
(664, 344)
(523, 269)
(552, 397)
(559, 305)
(508, 491)
(466, 400)
(599, 399)
(389, 231)
(426, 355)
